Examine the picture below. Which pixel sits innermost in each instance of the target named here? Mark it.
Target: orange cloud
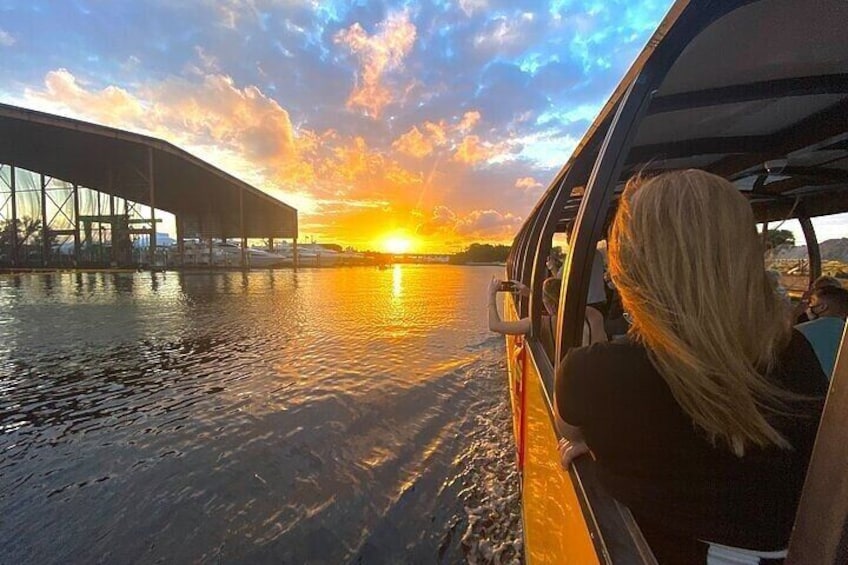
(356, 170)
(527, 183)
(469, 120)
(378, 54)
(109, 105)
(481, 224)
(414, 143)
(422, 142)
(442, 219)
(214, 112)
(243, 118)
(471, 150)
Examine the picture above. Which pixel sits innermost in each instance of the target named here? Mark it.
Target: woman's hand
(570, 450)
(522, 288)
(494, 284)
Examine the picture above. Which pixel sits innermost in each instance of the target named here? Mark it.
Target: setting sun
(397, 244)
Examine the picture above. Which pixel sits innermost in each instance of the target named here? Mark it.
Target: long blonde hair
(685, 256)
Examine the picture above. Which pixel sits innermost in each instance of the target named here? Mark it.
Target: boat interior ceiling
(770, 114)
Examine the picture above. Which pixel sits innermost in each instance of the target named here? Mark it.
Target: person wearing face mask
(827, 311)
(799, 314)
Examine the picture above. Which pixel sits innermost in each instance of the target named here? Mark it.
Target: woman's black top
(680, 488)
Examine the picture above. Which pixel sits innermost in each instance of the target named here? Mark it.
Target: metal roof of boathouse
(119, 162)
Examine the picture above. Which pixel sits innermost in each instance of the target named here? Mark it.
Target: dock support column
(294, 253)
(271, 244)
(14, 220)
(152, 185)
(77, 227)
(113, 259)
(180, 242)
(241, 230)
(45, 230)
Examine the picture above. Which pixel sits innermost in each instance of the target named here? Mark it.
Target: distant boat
(315, 255)
(229, 254)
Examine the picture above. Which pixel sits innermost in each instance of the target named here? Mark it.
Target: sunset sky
(437, 124)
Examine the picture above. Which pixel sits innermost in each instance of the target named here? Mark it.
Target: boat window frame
(529, 257)
(576, 175)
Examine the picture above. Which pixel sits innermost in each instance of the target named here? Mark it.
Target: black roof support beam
(819, 131)
(762, 90)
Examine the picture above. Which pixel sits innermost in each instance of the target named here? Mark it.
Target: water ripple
(349, 415)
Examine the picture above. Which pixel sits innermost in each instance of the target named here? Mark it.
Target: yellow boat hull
(555, 530)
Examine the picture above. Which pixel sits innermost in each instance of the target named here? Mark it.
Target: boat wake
(466, 500)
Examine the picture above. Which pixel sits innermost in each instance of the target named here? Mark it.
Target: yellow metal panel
(554, 528)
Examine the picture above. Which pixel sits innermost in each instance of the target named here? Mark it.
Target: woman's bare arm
(573, 444)
(517, 327)
(496, 324)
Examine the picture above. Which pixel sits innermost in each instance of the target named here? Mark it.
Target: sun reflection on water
(397, 282)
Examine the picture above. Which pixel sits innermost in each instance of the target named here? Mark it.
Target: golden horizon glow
(397, 244)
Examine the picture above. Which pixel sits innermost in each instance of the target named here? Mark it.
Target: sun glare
(397, 244)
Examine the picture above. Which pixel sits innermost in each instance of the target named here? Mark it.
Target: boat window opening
(551, 225)
(785, 253)
(603, 318)
(554, 264)
(549, 261)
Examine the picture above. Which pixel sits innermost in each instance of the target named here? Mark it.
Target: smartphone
(507, 286)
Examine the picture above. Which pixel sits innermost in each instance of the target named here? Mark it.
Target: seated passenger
(827, 310)
(800, 312)
(593, 327)
(554, 264)
(597, 297)
(703, 421)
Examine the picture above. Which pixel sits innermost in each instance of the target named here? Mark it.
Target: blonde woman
(703, 421)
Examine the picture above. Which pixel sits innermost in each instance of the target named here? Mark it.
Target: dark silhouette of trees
(779, 237)
(30, 238)
(482, 253)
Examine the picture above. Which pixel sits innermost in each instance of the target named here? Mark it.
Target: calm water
(326, 416)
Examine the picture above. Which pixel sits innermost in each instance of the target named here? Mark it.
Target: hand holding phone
(507, 286)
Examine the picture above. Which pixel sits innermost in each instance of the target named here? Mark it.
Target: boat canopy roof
(759, 96)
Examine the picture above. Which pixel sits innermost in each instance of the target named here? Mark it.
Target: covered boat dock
(74, 193)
